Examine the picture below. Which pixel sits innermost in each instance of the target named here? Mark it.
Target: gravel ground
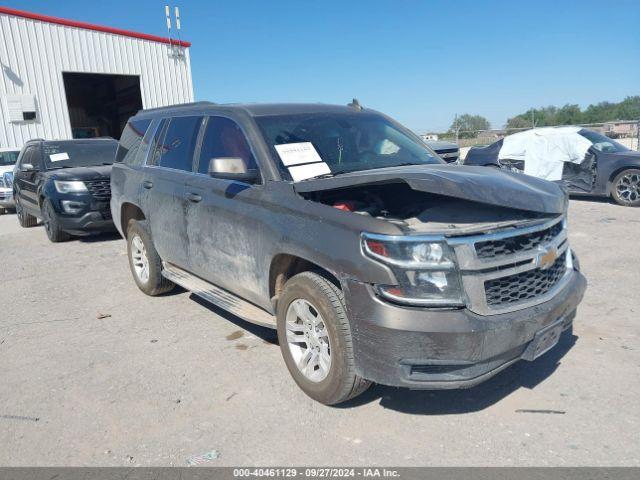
(96, 373)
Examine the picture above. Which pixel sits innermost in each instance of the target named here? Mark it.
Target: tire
(339, 382)
(144, 261)
(52, 224)
(625, 188)
(24, 219)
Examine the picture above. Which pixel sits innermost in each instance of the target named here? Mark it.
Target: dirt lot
(157, 380)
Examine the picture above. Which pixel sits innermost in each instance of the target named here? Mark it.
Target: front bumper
(443, 349)
(6, 198)
(86, 224)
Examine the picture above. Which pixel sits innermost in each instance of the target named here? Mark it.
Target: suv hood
(81, 173)
(476, 184)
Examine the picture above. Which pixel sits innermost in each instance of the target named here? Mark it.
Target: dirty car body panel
(234, 232)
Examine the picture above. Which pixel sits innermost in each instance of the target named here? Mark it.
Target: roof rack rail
(177, 105)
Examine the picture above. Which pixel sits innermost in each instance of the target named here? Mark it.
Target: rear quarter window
(130, 142)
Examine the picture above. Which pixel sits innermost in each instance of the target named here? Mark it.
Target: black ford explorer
(374, 260)
(66, 184)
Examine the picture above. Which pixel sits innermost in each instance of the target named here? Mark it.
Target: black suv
(66, 184)
(373, 259)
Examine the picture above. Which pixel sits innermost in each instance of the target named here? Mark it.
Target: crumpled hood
(476, 184)
(81, 173)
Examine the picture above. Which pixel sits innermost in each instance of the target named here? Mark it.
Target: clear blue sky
(419, 61)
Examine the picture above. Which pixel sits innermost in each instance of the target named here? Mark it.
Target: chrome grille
(518, 243)
(502, 271)
(526, 285)
(100, 189)
(7, 179)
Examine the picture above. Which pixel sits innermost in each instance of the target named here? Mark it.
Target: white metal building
(62, 79)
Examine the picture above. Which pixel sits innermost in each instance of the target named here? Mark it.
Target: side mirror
(232, 168)
(26, 167)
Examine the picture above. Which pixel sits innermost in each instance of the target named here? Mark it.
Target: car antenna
(355, 104)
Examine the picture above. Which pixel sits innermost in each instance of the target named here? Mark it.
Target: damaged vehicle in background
(584, 161)
(374, 260)
(66, 184)
(8, 158)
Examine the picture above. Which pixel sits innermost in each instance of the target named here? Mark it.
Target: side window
(179, 143)
(131, 140)
(32, 156)
(224, 138)
(156, 143)
(22, 158)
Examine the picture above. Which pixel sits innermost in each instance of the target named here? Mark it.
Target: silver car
(8, 157)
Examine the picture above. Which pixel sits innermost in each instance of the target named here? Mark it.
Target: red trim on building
(90, 26)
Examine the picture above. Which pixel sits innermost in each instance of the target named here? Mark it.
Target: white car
(8, 157)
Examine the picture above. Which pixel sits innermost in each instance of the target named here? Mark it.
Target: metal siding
(38, 52)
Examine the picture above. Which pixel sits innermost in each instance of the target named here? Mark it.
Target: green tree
(468, 125)
(627, 109)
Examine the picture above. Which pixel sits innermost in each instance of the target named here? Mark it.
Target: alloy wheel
(628, 187)
(308, 340)
(139, 259)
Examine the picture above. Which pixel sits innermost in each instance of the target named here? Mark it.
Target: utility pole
(533, 119)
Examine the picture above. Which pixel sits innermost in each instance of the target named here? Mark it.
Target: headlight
(69, 187)
(425, 269)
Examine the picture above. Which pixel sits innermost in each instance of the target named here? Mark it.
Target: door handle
(194, 197)
(147, 184)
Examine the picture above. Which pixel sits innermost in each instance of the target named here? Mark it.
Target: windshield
(74, 154)
(602, 143)
(8, 158)
(345, 142)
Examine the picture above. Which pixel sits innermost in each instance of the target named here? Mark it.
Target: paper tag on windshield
(56, 157)
(298, 153)
(304, 172)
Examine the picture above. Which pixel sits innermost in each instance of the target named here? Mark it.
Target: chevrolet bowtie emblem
(547, 258)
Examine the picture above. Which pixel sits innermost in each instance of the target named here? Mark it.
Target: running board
(219, 297)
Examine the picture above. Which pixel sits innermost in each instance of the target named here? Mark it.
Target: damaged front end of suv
(481, 268)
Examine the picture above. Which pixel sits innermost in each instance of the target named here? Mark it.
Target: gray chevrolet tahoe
(373, 259)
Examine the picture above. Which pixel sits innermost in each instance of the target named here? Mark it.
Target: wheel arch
(129, 211)
(284, 266)
(619, 170)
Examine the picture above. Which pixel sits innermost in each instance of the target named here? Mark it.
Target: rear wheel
(52, 224)
(315, 339)
(144, 261)
(24, 219)
(625, 188)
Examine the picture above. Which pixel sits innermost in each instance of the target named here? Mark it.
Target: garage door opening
(100, 104)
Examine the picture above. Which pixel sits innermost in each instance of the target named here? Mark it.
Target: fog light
(72, 207)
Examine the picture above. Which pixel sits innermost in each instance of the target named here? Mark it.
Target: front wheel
(625, 188)
(52, 224)
(315, 339)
